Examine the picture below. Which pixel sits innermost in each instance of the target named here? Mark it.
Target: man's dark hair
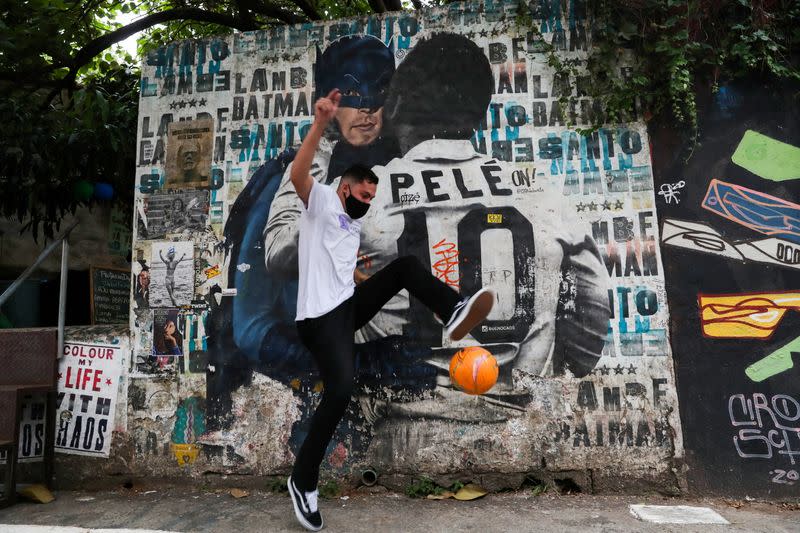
(360, 173)
(441, 89)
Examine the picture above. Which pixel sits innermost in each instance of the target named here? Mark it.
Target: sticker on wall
(189, 147)
(172, 212)
(703, 238)
(767, 158)
(760, 212)
(752, 315)
(172, 274)
(212, 271)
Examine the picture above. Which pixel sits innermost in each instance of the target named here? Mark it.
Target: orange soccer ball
(473, 370)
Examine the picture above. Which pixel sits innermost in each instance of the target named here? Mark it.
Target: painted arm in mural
(582, 324)
(324, 111)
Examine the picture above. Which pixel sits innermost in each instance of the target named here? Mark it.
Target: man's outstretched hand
(325, 108)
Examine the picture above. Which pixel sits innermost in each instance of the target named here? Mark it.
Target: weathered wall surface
(486, 184)
(730, 239)
(102, 238)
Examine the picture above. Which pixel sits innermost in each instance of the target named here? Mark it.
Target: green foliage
(675, 48)
(539, 489)
(70, 93)
(277, 484)
(422, 487)
(62, 123)
(330, 489)
(89, 136)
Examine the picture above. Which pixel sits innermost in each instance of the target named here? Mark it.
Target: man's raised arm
(324, 111)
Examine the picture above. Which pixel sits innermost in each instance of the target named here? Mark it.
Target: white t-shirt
(327, 252)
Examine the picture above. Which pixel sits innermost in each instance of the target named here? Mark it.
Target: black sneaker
(305, 507)
(468, 313)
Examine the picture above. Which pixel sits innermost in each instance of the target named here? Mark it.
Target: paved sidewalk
(184, 510)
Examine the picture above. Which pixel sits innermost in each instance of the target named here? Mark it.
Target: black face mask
(355, 208)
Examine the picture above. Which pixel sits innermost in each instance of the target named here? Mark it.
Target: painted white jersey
(461, 213)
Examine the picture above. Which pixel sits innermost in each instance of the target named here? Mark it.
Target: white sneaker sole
(478, 308)
(297, 512)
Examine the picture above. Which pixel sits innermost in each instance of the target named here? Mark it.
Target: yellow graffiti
(754, 315)
(186, 454)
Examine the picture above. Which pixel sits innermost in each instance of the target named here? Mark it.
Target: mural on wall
(482, 178)
(736, 343)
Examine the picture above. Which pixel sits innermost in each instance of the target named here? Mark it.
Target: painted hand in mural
(325, 108)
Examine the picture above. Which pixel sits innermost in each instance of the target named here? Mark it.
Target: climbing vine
(652, 57)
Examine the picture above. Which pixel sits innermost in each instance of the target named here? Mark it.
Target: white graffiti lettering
(767, 425)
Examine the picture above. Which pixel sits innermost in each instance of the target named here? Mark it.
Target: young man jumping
(330, 307)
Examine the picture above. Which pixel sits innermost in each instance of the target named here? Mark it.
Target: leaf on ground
(38, 493)
(239, 493)
(470, 492)
(443, 496)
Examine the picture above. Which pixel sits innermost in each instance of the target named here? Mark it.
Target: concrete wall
(730, 240)
(562, 226)
(102, 238)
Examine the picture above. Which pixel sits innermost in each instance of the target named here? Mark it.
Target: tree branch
(393, 5)
(307, 8)
(245, 13)
(417, 4)
(273, 11)
(95, 46)
(377, 6)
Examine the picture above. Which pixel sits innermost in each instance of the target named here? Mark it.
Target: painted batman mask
(360, 66)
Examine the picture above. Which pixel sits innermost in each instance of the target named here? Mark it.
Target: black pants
(329, 338)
